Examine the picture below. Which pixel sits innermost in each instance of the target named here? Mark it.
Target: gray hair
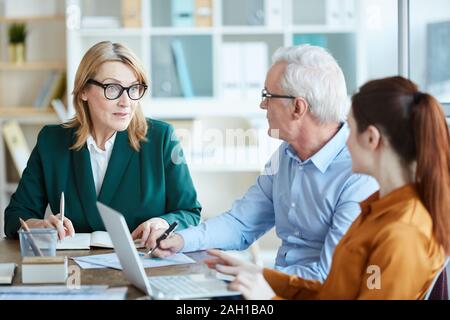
(314, 74)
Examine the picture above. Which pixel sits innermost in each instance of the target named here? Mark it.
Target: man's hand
(169, 246)
(149, 231)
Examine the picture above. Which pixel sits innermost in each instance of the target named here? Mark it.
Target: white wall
(378, 37)
(422, 13)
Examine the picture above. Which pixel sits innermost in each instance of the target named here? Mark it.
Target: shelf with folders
(181, 66)
(186, 45)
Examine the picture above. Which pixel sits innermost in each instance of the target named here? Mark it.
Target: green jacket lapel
(118, 163)
(86, 188)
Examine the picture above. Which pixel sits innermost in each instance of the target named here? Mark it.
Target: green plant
(17, 33)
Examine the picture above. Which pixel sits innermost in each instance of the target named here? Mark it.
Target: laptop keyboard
(178, 285)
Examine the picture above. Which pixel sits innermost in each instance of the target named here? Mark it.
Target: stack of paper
(62, 292)
(7, 272)
(110, 260)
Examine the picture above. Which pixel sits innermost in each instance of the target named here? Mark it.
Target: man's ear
(372, 137)
(300, 108)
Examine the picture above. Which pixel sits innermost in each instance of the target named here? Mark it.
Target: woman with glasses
(398, 244)
(109, 152)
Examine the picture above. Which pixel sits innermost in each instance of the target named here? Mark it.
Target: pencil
(34, 247)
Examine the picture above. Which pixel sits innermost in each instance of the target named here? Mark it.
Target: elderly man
(312, 196)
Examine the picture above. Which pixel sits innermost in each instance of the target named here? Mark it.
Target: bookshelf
(203, 45)
(21, 83)
(33, 66)
(32, 18)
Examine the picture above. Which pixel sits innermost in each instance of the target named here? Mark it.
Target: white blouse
(99, 159)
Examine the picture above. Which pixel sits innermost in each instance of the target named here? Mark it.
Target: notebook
(84, 241)
(7, 272)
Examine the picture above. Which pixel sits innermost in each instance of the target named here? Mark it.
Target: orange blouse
(389, 252)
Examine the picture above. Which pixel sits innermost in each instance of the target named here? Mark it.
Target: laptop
(187, 286)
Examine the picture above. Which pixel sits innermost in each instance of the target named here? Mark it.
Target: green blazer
(140, 185)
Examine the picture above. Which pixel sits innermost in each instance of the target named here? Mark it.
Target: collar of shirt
(92, 145)
(325, 156)
(374, 206)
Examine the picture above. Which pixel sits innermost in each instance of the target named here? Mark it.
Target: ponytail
(415, 125)
(433, 163)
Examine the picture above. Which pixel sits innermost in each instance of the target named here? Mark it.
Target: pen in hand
(62, 206)
(166, 234)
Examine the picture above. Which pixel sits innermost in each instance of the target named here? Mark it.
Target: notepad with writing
(7, 272)
(84, 241)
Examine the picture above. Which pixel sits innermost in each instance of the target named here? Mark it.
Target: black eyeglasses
(113, 91)
(266, 95)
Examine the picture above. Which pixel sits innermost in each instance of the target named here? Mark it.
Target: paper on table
(110, 260)
(87, 265)
(79, 242)
(62, 293)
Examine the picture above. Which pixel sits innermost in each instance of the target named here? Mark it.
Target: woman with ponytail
(399, 243)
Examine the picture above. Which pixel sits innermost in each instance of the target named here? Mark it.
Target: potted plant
(17, 35)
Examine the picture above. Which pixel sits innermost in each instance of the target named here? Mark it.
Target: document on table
(85, 241)
(62, 292)
(110, 260)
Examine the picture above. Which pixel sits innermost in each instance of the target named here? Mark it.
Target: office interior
(207, 74)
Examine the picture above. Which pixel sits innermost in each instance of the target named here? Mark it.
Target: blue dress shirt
(311, 203)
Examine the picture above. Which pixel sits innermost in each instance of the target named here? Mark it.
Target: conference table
(10, 252)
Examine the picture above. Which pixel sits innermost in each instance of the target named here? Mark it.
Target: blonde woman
(109, 153)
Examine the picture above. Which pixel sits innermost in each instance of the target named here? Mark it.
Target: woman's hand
(149, 231)
(227, 264)
(253, 286)
(54, 221)
(249, 279)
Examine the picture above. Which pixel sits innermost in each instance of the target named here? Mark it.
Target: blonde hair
(92, 60)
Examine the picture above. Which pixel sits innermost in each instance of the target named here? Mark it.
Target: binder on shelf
(314, 39)
(60, 109)
(273, 13)
(334, 12)
(244, 69)
(17, 145)
(56, 90)
(39, 101)
(183, 13)
(203, 13)
(131, 13)
(255, 65)
(182, 68)
(349, 13)
(341, 13)
(231, 72)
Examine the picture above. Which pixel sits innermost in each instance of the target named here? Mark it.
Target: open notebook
(84, 241)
